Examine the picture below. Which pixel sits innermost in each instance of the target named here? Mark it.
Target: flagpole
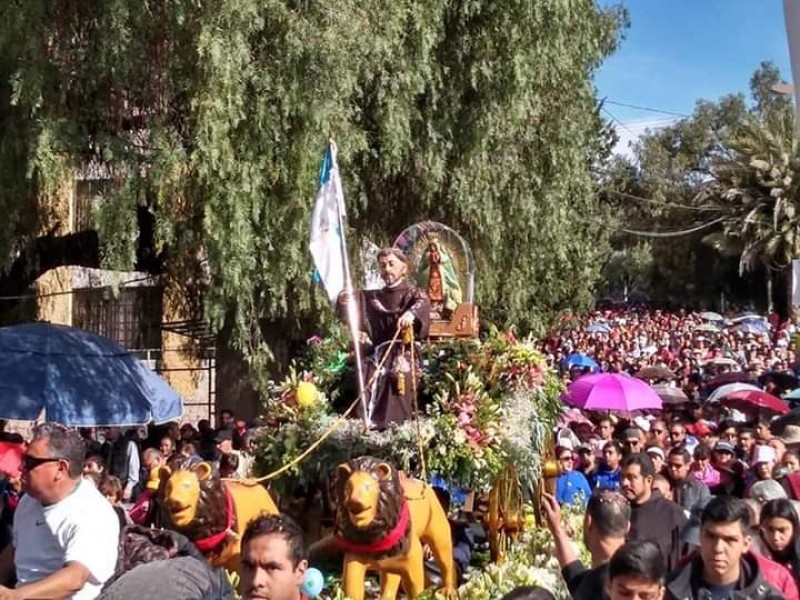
(352, 308)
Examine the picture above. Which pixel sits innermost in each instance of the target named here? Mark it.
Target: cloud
(630, 131)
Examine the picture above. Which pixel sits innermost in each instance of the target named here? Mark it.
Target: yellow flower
(306, 394)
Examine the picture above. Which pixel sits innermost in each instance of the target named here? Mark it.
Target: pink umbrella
(612, 392)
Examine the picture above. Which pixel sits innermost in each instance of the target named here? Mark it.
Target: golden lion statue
(382, 523)
(211, 513)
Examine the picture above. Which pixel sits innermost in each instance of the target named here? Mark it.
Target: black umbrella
(655, 373)
(791, 418)
(785, 380)
(671, 395)
(730, 377)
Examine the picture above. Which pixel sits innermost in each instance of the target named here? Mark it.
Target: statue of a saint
(438, 277)
(398, 303)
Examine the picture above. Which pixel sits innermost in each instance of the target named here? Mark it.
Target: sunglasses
(29, 463)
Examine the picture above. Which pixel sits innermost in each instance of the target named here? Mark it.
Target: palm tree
(755, 185)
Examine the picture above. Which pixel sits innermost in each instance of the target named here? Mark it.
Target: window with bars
(132, 318)
(88, 195)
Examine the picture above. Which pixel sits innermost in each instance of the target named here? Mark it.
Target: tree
(685, 178)
(211, 119)
(755, 187)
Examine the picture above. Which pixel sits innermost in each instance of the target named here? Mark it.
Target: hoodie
(685, 583)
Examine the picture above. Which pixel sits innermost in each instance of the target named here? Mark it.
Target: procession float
(484, 403)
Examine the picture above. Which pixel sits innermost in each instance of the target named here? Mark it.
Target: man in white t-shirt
(66, 533)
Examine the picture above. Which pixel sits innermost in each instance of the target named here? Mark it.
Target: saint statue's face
(393, 270)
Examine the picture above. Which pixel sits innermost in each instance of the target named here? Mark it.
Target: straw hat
(791, 435)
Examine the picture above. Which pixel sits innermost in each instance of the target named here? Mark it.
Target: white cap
(642, 423)
(566, 443)
(764, 454)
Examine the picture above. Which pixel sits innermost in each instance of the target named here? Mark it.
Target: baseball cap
(764, 491)
(223, 435)
(723, 446)
(564, 444)
(631, 432)
(657, 451)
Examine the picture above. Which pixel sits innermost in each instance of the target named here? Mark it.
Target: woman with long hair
(780, 533)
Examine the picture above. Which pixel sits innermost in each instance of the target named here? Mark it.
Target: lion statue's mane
(390, 503)
(212, 511)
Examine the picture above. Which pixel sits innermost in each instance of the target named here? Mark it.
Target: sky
(676, 52)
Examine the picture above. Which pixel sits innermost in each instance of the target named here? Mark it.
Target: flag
(326, 235)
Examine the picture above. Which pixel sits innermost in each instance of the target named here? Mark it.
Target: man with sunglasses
(65, 532)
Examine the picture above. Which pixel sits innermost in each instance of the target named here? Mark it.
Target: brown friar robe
(390, 399)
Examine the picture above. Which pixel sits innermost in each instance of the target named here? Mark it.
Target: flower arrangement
(484, 405)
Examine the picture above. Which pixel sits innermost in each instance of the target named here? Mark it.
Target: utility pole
(791, 14)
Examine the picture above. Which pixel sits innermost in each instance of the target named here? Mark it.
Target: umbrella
(731, 388)
(79, 379)
(783, 379)
(711, 316)
(598, 328)
(581, 360)
(671, 395)
(612, 392)
(722, 361)
(754, 327)
(790, 418)
(655, 373)
(708, 328)
(730, 377)
(755, 399)
(747, 316)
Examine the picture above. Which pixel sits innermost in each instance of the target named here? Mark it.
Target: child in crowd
(111, 488)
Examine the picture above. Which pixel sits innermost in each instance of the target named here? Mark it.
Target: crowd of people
(694, 346)
(694, 501)
(71, 492)
(691, 502)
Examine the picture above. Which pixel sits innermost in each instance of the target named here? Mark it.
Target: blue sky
(678, 51)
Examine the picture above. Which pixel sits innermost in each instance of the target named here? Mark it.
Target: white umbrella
(711, 316)
(722, 360)
(729, 388)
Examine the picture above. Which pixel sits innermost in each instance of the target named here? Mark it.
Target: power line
(666, 234)
(645, 108)
(623, 125)
(661, 202)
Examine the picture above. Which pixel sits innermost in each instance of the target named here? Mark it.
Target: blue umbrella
(754, 327)
(581, 360)
(79, 379)
(793, 395)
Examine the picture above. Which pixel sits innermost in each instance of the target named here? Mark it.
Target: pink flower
(314, 340)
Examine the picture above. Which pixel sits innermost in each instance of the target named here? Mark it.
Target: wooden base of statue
(462, 324)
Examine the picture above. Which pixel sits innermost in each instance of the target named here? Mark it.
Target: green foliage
(730, 160)
(493, 404)
(213, 116)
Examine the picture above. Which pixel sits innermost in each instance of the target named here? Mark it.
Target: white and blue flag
(326, 235)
